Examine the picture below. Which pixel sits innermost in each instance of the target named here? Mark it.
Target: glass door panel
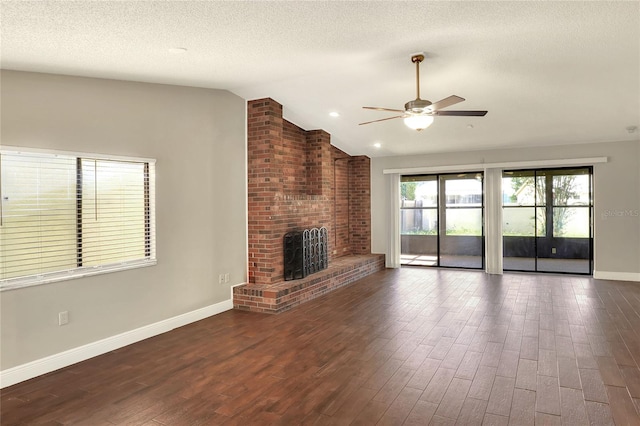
(519, 220)
(419, 220)
(461, 240)
(567, 243)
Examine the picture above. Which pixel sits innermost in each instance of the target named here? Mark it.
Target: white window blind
(66, 216)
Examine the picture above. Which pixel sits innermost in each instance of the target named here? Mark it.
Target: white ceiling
(548, 72)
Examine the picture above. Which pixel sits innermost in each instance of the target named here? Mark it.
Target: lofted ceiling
(548, 72)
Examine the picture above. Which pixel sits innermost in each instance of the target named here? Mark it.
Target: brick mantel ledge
(281, 296)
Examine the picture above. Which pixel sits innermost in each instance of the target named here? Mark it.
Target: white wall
(198, 138)
(616, 196)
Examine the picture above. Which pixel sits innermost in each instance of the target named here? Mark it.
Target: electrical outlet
(63, 318)
(226, 277)
(221, 279)
(553, 250)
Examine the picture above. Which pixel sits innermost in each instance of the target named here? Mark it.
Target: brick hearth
(281, 296)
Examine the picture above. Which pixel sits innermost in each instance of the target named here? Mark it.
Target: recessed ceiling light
(334, 114)
(377, 145)
(178, 50)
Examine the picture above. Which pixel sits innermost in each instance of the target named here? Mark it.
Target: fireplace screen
(305, 252)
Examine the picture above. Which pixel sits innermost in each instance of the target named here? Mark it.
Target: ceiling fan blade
(384, 109)
(443, 103)
(382, 119)
(461, 113)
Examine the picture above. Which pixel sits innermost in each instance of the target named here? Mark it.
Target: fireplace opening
(305, 252)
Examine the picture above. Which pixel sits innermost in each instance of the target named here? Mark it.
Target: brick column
(319, 163)
(264, 183)
(360, 205)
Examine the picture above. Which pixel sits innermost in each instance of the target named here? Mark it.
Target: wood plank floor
(409, 346)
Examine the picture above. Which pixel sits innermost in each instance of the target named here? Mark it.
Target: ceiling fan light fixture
(418, 122)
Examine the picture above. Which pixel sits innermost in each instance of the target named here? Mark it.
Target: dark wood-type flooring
(410, 346)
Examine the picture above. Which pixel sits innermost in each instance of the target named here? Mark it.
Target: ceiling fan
(418, 114)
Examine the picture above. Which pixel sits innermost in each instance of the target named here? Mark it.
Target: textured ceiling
(548, 72)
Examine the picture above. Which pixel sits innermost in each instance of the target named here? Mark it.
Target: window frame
(85, 271)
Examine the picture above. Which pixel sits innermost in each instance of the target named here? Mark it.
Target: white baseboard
(616, 276)
(54, 362)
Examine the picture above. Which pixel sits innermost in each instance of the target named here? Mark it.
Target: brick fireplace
(298, 180)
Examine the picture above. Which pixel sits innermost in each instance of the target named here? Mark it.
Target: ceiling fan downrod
(417, 106)
(416, 59)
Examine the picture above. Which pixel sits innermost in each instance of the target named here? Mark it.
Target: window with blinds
(65, 216)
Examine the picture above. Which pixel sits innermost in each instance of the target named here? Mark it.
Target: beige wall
(616, 195)
(198, 138)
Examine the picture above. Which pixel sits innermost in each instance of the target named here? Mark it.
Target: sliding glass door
(441, 219)
(547, 220)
